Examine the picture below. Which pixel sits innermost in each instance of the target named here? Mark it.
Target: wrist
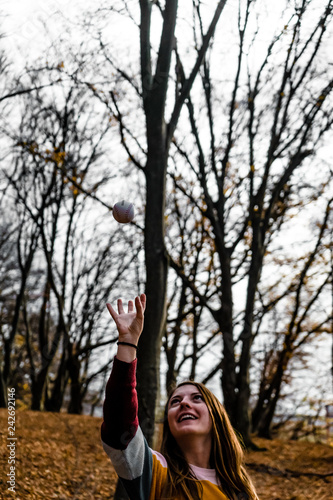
(127, 337)
(126, 351)
(128, 344)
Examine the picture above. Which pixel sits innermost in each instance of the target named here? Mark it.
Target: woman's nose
(185, 403)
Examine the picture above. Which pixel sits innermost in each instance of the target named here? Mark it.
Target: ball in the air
(123, 211)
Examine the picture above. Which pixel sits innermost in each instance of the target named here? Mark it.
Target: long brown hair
(226, 456)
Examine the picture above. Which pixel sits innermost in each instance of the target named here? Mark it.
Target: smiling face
(188, 413)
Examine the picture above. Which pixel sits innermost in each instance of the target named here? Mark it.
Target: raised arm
(120, 406)
(122, 438)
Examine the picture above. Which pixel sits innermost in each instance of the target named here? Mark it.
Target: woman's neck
(197, 451)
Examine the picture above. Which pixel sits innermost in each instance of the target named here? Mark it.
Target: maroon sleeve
(120, 409)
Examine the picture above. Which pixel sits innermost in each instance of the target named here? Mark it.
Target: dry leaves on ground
(60, 456)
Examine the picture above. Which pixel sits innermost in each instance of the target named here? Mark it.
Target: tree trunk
(75, 404)
(3, 392)
(264, 410)
(242, 416)
(55, 400)
(5, 370)
(37, 389)
(154, 90)
(156, 272)
(225, 321)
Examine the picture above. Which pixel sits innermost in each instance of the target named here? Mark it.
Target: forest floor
(61, 456)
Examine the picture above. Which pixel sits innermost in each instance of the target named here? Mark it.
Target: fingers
(120, 306)
(112, 311)
(143, 301)
(140, 304)
(130, 306)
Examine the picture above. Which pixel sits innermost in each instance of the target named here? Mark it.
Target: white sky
(24, 21)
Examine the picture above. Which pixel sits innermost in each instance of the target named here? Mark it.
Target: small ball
(123, 211)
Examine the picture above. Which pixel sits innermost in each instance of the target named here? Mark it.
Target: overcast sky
(24, 21)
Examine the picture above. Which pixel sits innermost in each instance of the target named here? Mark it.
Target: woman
(200, 458)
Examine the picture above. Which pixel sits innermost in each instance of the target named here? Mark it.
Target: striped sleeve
(120, 409)
(122, 438)
(134, 466)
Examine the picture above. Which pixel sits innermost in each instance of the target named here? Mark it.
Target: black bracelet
(127, 343)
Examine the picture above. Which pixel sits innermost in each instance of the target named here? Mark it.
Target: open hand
(130, 324)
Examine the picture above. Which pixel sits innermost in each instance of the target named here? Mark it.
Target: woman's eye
(198, 397)
(174, 401)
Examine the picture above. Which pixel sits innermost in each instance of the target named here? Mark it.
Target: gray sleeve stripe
(128, 463)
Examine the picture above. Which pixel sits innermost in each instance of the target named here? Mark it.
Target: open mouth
(187, 416)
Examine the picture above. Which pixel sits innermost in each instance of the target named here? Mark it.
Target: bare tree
(56, 172)
(248, 176)
(156, 75)
(307, 319)
(243, 181)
